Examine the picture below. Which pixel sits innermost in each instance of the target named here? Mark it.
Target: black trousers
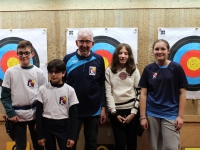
(56, 130)
(125, 135)
(20, 135)
(90, 132)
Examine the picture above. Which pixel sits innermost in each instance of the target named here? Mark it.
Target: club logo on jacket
(31, 83)
(155, 75)
(62, 100)
(92, 70)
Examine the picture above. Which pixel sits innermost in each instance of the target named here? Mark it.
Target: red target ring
(107, 56)
(8, 60)
(105, 46)
(191, 63)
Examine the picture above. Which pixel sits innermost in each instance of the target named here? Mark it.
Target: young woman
(122, 78)
(162, 100)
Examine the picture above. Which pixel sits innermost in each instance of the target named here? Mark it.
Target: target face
(185, 50)
(105, 46)
(106, 41)
(8, 54)
(9, 40)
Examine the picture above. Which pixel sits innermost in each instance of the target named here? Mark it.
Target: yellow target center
(106, 62)
(12, 61)
(193, 63)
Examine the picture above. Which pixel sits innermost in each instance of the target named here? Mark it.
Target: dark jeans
(90, 132)
(56, 130)
(20, 135)
(124, 135)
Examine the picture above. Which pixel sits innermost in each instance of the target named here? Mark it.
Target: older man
(86, 74)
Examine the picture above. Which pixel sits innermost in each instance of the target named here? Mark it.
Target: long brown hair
(130, 64)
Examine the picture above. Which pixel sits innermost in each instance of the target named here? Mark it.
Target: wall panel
(147, 20)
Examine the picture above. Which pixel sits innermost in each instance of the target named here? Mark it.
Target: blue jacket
(87, 76)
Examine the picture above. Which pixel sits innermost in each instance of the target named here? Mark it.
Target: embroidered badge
(31, 83)
(62, 100)
(92, 70)
(155, 75)
(123, 75)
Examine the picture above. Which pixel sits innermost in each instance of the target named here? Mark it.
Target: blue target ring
(179, 49)
(105, 46)
(10, 44)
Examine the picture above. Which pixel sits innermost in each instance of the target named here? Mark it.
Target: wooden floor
(190, 136)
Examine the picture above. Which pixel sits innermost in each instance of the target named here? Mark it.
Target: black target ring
(16, 40)
(106, 39)
(178, 46)
(105, 46)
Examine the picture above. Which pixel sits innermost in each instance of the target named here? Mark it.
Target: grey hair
(85, 32)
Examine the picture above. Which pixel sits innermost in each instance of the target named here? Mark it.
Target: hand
(144, 123)
(121, 119)
(178, 123)
(129, 118)
(70, 143)
(41, 142)
(102, 116)
(14, 119)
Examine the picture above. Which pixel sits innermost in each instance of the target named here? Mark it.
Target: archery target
(9, 40)
(106, 41)
(185, 50)
(105, 46)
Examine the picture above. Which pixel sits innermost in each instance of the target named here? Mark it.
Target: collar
(57, 85)
(29, 67)
(82, 57)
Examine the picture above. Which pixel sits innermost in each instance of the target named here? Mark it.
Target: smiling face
(84, 42)
(161, 51)
(123, 57)
(84, 45)
(25, 56)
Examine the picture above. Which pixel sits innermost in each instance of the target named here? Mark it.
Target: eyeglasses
(55, 72)
(84, 41)
(26, 53)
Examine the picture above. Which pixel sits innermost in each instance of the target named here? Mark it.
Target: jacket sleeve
(109, 97)
(73, 116)
(7, 102)
(102, 84)
(136, 77)
(39, 122)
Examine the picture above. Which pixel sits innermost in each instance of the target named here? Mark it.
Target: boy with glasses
(19, 91)
(55, 107)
